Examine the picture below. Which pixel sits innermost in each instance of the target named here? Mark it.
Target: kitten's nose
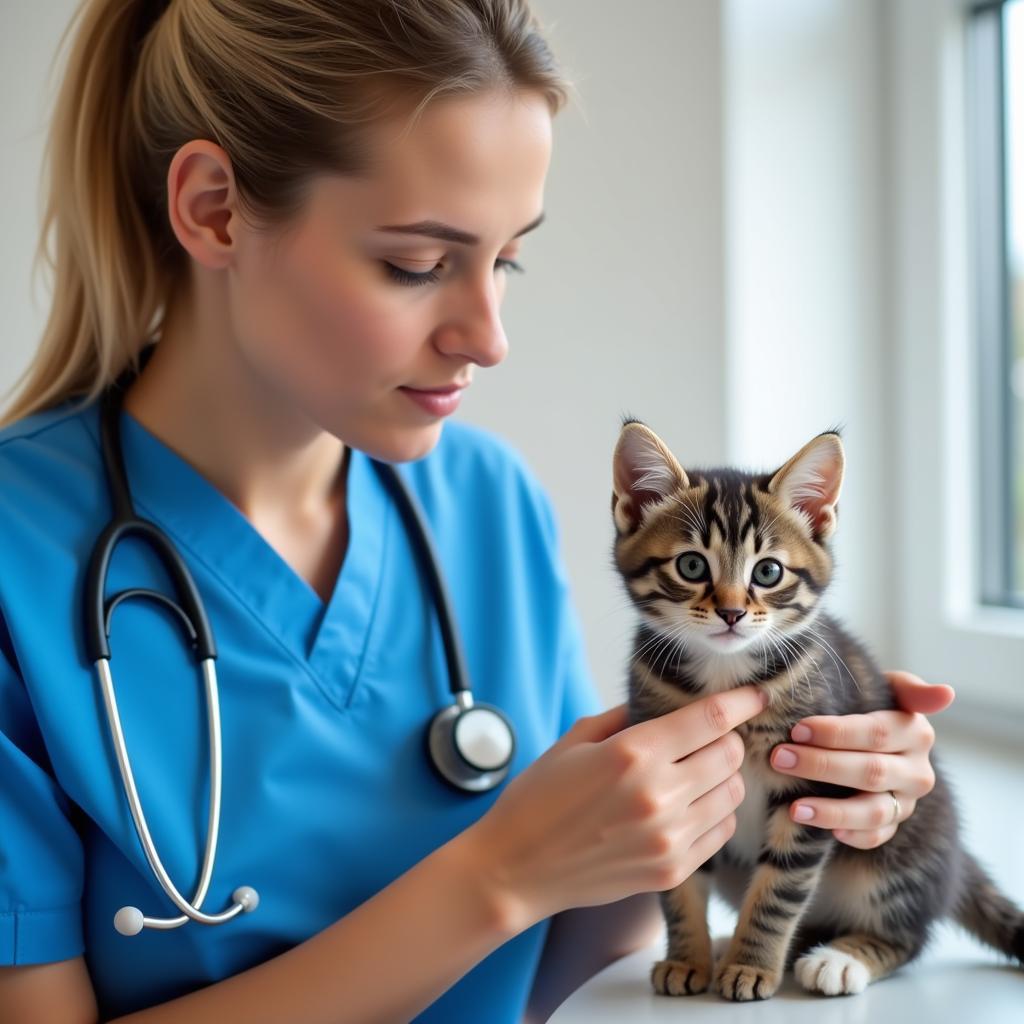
(731, 615)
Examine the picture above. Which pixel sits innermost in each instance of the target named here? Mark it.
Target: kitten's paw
(831, 972)
(741, 982)
(675, 978)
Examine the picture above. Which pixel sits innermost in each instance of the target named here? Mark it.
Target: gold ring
(895, 808)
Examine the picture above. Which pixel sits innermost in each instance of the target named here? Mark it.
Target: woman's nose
(473, 327)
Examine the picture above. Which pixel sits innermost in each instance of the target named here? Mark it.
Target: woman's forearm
(383, 963)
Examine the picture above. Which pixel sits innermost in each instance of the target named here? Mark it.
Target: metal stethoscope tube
(130, 920)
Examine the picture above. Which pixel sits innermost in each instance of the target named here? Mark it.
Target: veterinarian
(311, 782)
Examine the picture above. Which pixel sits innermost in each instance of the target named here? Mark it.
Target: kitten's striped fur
(846, 916)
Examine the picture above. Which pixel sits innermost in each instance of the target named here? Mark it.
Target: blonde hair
(285, 87)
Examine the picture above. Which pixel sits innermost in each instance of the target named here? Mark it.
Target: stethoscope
(470, 744)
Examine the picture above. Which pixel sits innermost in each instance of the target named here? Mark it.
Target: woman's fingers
(866, 839)
(863, 812)
(912, 693)
(708, 844)
(712, 765)
(594, 728)
(717, 804)
(887, 732)
(678, 733)
(854, 768)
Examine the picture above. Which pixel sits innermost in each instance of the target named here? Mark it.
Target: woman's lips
(438, 402)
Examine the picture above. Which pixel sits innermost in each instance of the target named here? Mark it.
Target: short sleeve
(41, 860)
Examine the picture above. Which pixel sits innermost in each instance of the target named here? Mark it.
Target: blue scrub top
(328, 795)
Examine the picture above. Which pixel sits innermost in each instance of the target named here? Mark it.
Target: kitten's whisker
(691, 526)
(819, 638)
(656, 646)
(656, 637)
(688, 517)
(697, 508)
(778, 515)
(816, 638)
(669, 650)
(799, 654)
(785, 659)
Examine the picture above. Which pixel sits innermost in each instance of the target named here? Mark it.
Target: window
(996, 130)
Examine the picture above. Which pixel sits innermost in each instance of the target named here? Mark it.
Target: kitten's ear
(810, 482)
(644, 472)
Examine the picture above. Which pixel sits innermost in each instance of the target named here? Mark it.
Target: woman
(314, 206)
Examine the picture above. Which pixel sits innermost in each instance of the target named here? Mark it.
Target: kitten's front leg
(789, 868)
(686, 969)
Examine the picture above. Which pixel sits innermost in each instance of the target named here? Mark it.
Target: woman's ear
(810, 483)
(644, 473)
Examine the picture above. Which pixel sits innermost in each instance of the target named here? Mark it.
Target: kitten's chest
(746, 842)
(760, 781)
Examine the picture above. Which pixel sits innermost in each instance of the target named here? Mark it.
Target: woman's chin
(402, 446)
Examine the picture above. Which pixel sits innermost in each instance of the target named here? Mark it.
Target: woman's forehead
(476, 163)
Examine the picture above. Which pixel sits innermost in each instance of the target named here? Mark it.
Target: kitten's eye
(767, 572)
(693, 567)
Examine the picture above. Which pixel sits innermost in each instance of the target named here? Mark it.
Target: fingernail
(766, 697)
(801, 733)
(784, 758)
(803, 812)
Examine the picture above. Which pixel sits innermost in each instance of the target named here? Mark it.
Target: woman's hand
(884, 753)
(612, 810)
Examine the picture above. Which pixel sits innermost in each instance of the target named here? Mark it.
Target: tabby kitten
(727, 570)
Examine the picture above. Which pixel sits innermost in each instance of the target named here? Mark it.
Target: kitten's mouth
(727, 639)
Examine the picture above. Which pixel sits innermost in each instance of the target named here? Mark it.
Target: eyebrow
(446, 233)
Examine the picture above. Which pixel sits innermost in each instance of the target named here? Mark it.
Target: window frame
(993, 284)
(945, 630)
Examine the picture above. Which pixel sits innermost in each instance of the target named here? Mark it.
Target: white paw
(831, 972)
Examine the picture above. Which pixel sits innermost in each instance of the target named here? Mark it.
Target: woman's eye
(693, 567)
(409, 278)
(767, 572)
(500, 264)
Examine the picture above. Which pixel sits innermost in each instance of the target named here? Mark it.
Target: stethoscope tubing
(189, 908)
(98, 612)
(449, 759)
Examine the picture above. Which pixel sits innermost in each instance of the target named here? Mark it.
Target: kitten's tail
(986, 913)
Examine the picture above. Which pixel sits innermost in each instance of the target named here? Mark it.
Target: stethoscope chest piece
(471, 745)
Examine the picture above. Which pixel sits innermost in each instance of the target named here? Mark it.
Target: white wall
(715, 262)
(28, 39)
(621, 307)
(806, 267)
(730, 170)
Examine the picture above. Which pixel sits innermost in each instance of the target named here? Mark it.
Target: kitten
(727, 570)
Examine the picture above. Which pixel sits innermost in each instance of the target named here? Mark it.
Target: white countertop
(955, 980)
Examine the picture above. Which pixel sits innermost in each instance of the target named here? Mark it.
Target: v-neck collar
(330, 638)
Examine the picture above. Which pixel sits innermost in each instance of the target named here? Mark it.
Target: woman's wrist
(502, 905)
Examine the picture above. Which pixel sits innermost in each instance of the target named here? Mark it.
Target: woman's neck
(200, 397)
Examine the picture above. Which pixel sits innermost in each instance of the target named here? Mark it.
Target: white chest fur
(746, 843)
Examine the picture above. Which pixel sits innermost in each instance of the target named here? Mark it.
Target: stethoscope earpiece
(471, 745)
(130, 921)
